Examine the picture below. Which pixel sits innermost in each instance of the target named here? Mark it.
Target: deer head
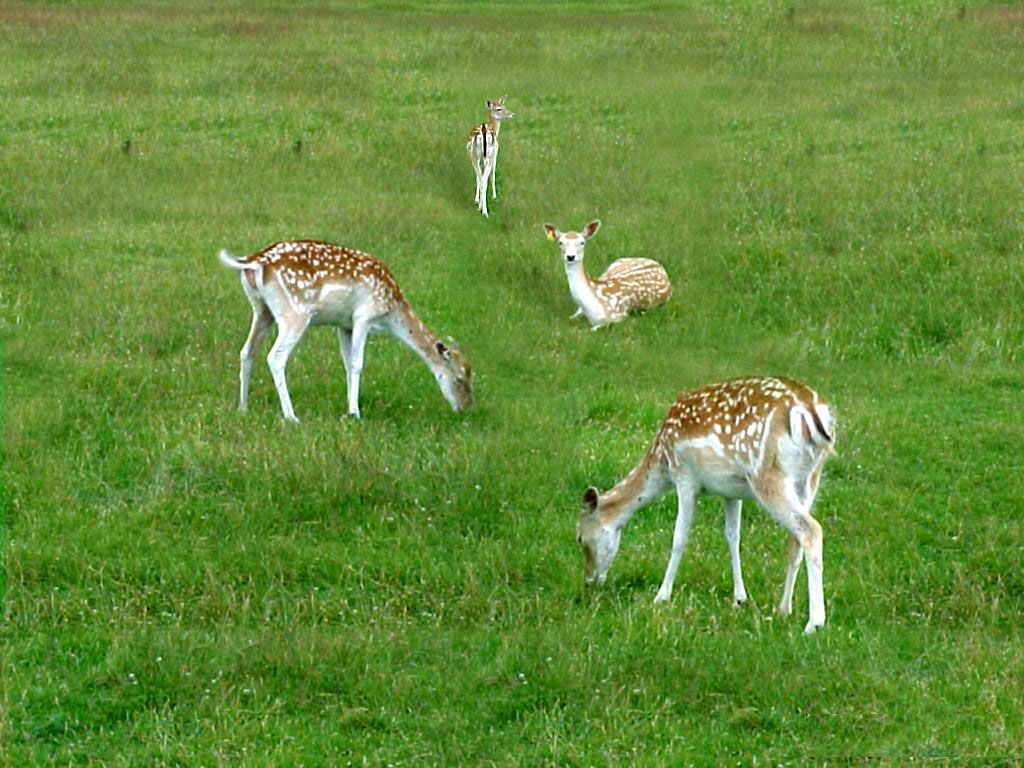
(455, 377)
(571, 243)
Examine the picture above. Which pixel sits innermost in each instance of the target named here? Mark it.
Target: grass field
(836, 191)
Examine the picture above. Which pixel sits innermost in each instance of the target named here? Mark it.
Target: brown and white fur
(749, 438)
(306, 282)
(628, 284)
(483, 151)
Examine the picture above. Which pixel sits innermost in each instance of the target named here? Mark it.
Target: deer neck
(646, 482)
(407, 327)
(495, 125)
(582, 289)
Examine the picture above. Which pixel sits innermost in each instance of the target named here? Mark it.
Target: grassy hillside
(836, 192)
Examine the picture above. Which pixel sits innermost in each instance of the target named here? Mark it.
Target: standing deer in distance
(749, 438)
(301, 283)
(628, 284)
(482, 146)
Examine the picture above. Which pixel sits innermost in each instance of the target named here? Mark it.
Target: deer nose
(570, 257)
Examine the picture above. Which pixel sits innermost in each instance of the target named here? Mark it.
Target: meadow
(836, 191)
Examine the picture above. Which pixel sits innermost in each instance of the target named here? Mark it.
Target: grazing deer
(626, 285)
(307, 282)
(760, 438)
(483, 151)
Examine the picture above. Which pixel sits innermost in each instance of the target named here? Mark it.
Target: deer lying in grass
(306, 282)
(628, 284)
(482, 146)
(760, 438)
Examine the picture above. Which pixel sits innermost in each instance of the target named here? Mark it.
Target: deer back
(729, 433)
(324, 280)
(633, 284)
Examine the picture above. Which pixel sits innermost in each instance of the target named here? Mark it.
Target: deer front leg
(733, 508)
(687, 498)
(345, 345)
(360, 330)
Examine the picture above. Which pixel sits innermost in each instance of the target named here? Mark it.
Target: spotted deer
(306, 282)
(628, 284)
(483, 151)
(749, 438)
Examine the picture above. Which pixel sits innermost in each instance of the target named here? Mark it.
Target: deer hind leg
(795, 552)
(494, 173)
(732, 508)
(813, 548)
(288, 335)
(486, 171)
(687, 498)
(794, 556)
(262, 319)
(784, 503)
(476, 160)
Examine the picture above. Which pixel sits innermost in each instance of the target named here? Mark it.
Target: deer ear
(490, 104)
(552, 232)
(442, 350)
(591, 228)
(590, 499)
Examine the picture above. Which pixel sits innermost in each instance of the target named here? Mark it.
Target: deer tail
(815, 424)
(231, 261)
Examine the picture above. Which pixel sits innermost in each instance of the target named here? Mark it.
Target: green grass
(836, 192)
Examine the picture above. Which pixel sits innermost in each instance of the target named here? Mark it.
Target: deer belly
(336, 306)
(727, 483)
(706, 461)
